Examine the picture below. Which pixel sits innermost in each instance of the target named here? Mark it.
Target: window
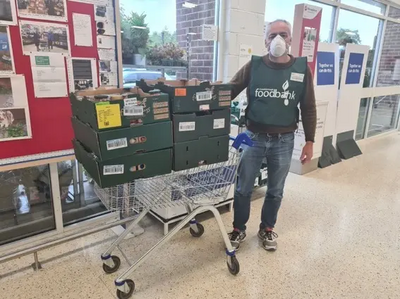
(78, 200)
(358, 29)
(278, 9)
(164, 38)
(384, 114)
(368, 5)
(389, 65)
(26, 206)
(362, 118)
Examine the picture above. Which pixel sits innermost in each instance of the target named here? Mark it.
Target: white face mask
(278, 47)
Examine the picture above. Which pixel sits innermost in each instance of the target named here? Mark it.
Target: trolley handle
(240, 139)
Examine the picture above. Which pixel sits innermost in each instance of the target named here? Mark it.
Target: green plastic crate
(186, 98)
(123, 169)
(205, 150)
(124, 141)
(192, 126)
(110, 114)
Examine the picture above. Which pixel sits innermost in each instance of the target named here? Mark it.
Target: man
(51, 8)
(36, 39)
(276, 84)
(50, 39)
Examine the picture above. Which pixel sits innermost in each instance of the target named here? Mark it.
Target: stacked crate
(122, 135)
(201, 121)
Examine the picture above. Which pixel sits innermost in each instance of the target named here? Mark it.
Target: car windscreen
(149, 75)
(130, 77)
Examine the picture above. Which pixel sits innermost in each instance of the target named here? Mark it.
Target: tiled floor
(339, 238)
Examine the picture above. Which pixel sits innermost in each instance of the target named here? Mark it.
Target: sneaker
(268, 238)
(237, 237)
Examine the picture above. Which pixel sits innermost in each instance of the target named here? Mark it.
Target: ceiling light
(189, 5)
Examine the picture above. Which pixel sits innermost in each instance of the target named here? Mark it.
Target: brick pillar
(390, 50)
(190, 20)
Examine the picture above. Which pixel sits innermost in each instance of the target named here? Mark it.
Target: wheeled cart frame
(198, 189)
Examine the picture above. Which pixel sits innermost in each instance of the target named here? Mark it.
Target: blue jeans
(277, 151)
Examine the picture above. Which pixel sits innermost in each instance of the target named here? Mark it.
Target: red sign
(306, 24)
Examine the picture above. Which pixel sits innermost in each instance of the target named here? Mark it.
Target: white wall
(244, 26)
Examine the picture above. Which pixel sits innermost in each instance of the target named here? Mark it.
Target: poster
(52, 10)
(209, 32)
(325, 68)
(245, 53)
(300, 139)
(106, 54)
(6, 53)
(44, 38)
(14, 112)
(82, 74)
(105, 42)
(353, 74)
(309, 41)
(108, 66)
(82, 30)
(8, 14)
(103, 13)
(108, 79)
(6, 94)
(49, 78)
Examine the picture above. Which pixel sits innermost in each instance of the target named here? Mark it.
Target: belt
(275, 134)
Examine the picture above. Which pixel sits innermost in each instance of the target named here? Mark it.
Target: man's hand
(307, 153)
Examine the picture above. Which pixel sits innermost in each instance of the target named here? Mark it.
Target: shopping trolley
(198, 189)
(44, 46)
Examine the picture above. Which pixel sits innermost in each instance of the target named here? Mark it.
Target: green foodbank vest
(276, 93)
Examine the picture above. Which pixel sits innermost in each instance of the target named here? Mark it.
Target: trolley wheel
(234, 267)
(131, 285)
(117, 264)
(200, 231)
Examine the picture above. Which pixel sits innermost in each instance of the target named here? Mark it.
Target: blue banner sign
(353, 75)
(325, 68)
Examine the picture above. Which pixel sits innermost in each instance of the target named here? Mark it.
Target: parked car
(131, 76)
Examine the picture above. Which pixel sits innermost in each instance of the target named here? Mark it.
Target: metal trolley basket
(198, 189)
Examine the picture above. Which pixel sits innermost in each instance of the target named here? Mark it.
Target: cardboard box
(192, 126)
(205, 150)
(192, 96)
(115, 143)
(125, 169)
(117, 108)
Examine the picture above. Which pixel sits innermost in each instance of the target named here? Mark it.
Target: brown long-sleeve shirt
(307, 104)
